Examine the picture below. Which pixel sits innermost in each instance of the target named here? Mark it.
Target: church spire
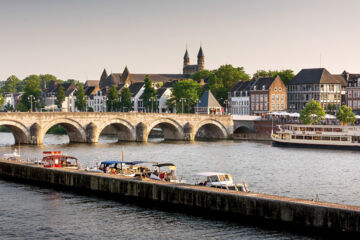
(186, 58)
(200, 60)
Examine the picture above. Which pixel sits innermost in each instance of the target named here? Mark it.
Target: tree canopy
(112, 102)
(31, 94)
(126, 104)
(149, 96)
(312, 113)
(185, 93)
(285, 75)
(60, 96)
(11, 84)
(2, 101)
(345, 115)
(80, 102)
(222, 79)
(203, 74)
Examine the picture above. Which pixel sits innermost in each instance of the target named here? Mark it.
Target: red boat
(56, 159)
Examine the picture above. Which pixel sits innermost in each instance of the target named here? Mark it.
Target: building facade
(268, 94)
(353, 91)
(191, 69)
(314, 83)
(239, 98)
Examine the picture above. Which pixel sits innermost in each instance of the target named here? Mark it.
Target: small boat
(165, 172)
(15, 156)
(317, 136)
(130, 169)
(55, 159)
(219, 180)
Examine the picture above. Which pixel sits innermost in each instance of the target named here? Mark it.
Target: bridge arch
(210, 129)
(241, 130)
(125, 131)
(172, 130)
(20, 132)
(74, 130)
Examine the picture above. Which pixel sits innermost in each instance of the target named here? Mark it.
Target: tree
(31, 94)
(80, 102)
(224, 78)
(45, 79)
(112, 103)
(203, 74)
(126, 103)
(149, 96)
(60, 96)
(8, 107)
(331, 108)
(345, 115)
(11, 84)
(188, 91)
(285, 75)
(2, 100)
(312, 113)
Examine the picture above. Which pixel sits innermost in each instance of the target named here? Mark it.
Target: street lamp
(182, 100)
(226, 106)
(197, 105)
(31, 98)
(152, 99)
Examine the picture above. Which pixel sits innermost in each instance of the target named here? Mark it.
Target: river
(32, 212)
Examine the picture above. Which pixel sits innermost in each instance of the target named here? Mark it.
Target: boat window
(231, 188)
(335, 138)
(345, 139)
(213, 178)
(221, 178)
(326, 138)
(317, 138)
(295, 128)
(337, 130)
(308, 137)
(328, 129)
(227, 177)
(292, 137)
(310, 129)
(299, 137)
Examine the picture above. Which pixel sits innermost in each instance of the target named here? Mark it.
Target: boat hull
(312, 145)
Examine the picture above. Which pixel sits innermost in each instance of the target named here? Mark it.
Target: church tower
(186, 58)
(200, 60)
(103, 78)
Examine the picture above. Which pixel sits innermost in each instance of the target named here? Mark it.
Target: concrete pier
(298, 212)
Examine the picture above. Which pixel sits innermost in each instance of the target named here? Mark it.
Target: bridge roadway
(86, 127)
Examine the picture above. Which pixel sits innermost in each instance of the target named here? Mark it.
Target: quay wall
(298, 212)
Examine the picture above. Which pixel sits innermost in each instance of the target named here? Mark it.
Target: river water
(38, 213)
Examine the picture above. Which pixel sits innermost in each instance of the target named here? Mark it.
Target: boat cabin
(164, 172)
(216, 180)
(55, 159)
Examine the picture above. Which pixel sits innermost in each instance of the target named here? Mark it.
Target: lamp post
(226, 106)
(31, 98)
(182, 100)
(197, 105)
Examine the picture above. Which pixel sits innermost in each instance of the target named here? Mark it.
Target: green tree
(2, 100)
(203, 74)
(80, 102)
(126, 103)
(188, 91)
(8, 107)
(312, 113)
(345, 115)
(60, 96)
(112, 102)
(331, 108)
(224, 78)
(149, 96)
(11, 84)
(45, 79)
(31, 94)
(285, 75)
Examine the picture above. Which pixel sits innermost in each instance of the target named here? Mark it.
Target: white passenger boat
(219, 180)
(317, 136)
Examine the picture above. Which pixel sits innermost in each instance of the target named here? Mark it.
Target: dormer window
(263, 87)
(280, 89)
(275, 89)
(254, 87)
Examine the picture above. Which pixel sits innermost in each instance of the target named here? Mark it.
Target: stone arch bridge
(86, 127)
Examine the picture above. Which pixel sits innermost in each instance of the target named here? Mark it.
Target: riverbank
(298, 212)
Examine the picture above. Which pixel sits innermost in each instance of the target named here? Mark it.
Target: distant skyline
(79, 38)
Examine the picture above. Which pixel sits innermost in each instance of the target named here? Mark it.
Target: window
(277, 97)
(275, 89)
(282, 96)
(273, 97)
(272, 106)
(282, 107)
(277, 106)
(280, 89)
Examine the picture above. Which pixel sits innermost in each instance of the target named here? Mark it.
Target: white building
(95, 100)
(49, 97)
(239, 98)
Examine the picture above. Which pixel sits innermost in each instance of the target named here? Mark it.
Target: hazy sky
(79, 38)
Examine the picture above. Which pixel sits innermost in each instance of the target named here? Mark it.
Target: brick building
(268, 94)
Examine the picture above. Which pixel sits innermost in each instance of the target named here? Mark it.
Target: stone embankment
(276, 209)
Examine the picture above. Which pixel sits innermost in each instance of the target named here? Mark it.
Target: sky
(77, 39)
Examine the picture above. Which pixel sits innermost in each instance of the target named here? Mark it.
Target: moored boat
(55, 159)
(317, 136)
(219, 180)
